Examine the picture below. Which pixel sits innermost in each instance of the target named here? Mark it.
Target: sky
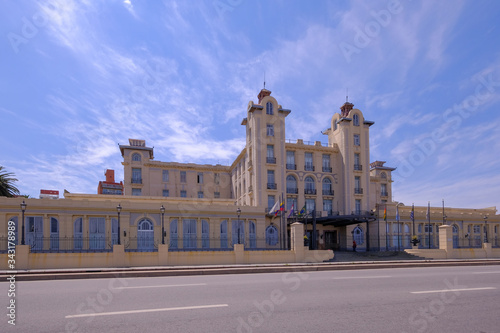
(77, 78)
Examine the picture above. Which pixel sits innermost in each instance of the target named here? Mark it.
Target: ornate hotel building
(193, 207)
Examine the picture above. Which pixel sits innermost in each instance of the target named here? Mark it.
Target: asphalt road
(441, 299)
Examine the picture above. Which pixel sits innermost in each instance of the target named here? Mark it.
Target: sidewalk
(101, 273)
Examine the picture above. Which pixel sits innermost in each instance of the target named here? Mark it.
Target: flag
(282, 208)
(303, 211)
(385, 213)
(412, 214)
(291, 210)
(274, 208)
(397, 213)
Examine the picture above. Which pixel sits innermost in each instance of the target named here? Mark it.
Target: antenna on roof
(347, 95)
(264, 79)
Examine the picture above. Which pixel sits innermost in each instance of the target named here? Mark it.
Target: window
(355, 120)
(54, 234)
(136, 191)
(165, 175)
(383, 190)
(200, 194)
(136, 176)
(357, 204)
(271, 235)
(290, 160)
(327, 187)
(173, 234)
(200, 177)
(165, 193)
(205, 234)
(428, 228)
(291, 185)
(326, 163)
(189, 233)
(78, 234)
(477, 229)
(310, 205)
(269, 108)
(291, 201)
(136, 157)
(238, 231)
(383, 175)
(357, 185)
(309, 185)
(327, 206)
(357, 162)
(270, 201)
(216, 178)
(270, 154)
(183, 194)
(183, 176)
(356, 140)
(114, 231)
(216, 195)
(252, 234)
(97, 229)
(271, 185)
(420, 228)
(270, 130)
(308, 162)
(223, 234)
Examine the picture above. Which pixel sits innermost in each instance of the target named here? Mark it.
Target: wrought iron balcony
(327, 192)
(136, 180)
(291, 166)
(309, 167)
(309, 191)
(271, 160)
(358, 190)
(358, 167)
(292, 190)
(272, 186)
(327, 169)
(384, 194)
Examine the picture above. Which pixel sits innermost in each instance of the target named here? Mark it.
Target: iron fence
(71, 244)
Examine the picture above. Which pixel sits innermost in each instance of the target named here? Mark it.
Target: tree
(7, 187)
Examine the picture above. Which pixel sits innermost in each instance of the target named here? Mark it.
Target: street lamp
(23, 208)
(238, 211)
(118, 209)
(162, 210)
(485, 229)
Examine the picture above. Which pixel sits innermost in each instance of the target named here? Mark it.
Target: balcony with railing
(136, 180)
(384, 194)
(291, 166)
(292, 190)
(358, 167)
(328, 192)
(308, 167)
(327, 169)
(271, 160)
(358, 190)
(310, 191)
(272, 186)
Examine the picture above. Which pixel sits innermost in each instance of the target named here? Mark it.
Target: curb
(218, 270)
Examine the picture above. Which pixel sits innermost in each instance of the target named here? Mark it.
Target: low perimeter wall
(456, 253)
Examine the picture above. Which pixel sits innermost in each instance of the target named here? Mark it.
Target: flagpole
(413, 218)
(429, 221)
(399, 229)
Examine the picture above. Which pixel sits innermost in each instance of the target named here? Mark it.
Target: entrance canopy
(344, 220)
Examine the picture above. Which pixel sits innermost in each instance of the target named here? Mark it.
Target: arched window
(136, 157)
(97, 236)
(355, 120)
(145, 235)
(173, 234)
(309, 185)
(269, 108)
(238, 226)
(34, 233)
(291, 184)
(205, 234)
(327, 187)
(54, 234)
(358, 235)
(223, 234)
(406, 229)
(78, 234)
(251, 234)
(114, 231)
(189, 233)
(271, 235)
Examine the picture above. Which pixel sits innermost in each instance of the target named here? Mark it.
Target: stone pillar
(239, 253)
(446, 238)
(119, 255)
(22, 257)
(487, 249)
(162, 254)
(297, 239)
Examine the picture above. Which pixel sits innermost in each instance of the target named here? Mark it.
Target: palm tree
(7, 187)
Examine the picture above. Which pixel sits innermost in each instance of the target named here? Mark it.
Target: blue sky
(80, 77)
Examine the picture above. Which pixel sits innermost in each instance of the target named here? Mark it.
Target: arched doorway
(145, 235)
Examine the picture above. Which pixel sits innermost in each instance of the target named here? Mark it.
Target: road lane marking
(450, 290)
(164, 286)
(147, 310)
(361, 277)
(498, 272)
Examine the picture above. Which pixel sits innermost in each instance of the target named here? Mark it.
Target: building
(109, 186)
(331, 187)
